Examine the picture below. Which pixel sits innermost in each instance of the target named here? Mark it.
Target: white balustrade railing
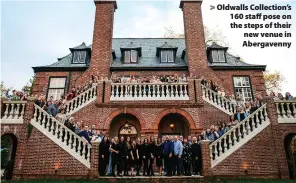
(13, 112)
(238, 135)
(149, 91)
(81, 100)
(286, 111)
(218, 101)
(61, 135)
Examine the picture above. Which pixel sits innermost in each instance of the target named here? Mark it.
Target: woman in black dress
(159, 155)
(103, 155)
(196, 156)
(134, 157)
(145, 156)
(115, 148)
(151, 149)
(187, 157)
(139, 162)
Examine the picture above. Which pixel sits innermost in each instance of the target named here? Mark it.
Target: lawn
(157, 181)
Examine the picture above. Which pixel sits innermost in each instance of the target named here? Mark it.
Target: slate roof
(148, 60)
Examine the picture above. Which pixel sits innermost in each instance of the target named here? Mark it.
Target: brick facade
(37, 156)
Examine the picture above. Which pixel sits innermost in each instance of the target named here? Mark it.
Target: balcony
(286, 111)
(12, 112)
(149, 91)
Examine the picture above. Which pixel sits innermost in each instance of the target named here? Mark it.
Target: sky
(36, 33)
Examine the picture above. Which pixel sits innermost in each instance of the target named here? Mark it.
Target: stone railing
(286, 111)
(149, 91)
(61, 135)
(81, 100)
(238, 135)
(13, 112)
(218, 101)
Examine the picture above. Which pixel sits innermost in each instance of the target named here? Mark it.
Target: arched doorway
(8, 151)
(290, 147)
(173, 124)
(126, 125)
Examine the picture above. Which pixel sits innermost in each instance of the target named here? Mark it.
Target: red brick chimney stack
(101, 55)
(194, 35)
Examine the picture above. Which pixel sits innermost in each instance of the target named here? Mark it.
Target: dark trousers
(102, 166)
(176, 166)
(187, 168)
(196, 166)
(145, 168)
(126, 166)
(150, 169)
(115, 162)
(168, 164)
(138, 165)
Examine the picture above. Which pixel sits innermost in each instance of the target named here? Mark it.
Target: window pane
(57, 83)
(237, 81)
(56, 93)
(76, 57)
(243, 88)
(215, 55)
(82, 57)
(127, 56)
(163, 56)
(221, 56)
(170, 56)
(134, 56)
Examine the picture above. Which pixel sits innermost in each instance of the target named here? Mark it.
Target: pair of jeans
(109, 171)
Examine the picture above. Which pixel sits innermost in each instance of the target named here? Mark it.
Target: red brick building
(151, 109)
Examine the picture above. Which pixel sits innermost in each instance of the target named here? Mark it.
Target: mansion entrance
(173, 124)
(126, 125)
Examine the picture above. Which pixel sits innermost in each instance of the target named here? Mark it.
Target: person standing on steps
(103, 155)
(168, 151)
(152, 148)
(145, 156)
(178, 152)
(139, 162)
(115, 149)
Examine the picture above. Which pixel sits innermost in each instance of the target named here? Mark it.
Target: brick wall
(102, 41)
(256, 77)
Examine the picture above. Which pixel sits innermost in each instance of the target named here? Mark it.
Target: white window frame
(243, 84)
(130, 56)
(56, 89)
(167, 56)
(218, 56)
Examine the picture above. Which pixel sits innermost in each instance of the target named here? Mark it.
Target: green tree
(4, 89)
(29, 86)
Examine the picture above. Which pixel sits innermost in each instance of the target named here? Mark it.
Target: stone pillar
(206, 158)
(94, 160)
(100, 92)
(283, 169)
(22, 149)
(2, 106)
(101, 55)
(107, 91)
(198, 89)
(191, 91)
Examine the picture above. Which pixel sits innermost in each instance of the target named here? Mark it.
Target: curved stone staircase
(238, 135)
(81, 100)
(61, 135)
(221, 103)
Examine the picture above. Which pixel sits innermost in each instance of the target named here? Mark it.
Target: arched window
(128, 129)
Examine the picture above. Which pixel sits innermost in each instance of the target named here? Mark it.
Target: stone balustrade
(286, 111)
(61, 135)
(149, 91)
(12, 112)
(81, 100)
(238, 135)
(218, 101)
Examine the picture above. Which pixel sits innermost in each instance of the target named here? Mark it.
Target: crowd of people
(154, 79)
(279, 96)
(173, 155)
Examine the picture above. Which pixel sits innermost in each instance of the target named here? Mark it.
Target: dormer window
(79, 57)
(131, 53)
(166, 53)
(130, 56)
(81, 54)
(167, 56)
(218, 55)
